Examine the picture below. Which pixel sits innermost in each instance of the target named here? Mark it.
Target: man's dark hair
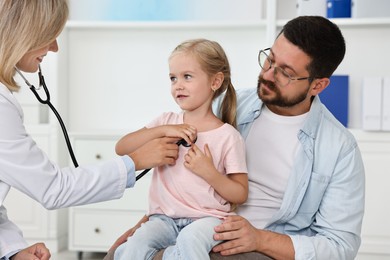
(320, 39)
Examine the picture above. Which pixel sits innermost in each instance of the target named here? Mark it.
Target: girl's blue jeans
(183, 239)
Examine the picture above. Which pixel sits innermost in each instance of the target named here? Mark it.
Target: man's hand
(160, 151)
(241, 236)
(37, 251)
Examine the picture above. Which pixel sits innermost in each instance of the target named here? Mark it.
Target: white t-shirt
(271, 147)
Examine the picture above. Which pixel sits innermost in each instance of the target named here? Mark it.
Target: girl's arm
(232, 187)
(132, 141)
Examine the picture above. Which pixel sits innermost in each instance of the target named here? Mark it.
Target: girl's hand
(198, 162)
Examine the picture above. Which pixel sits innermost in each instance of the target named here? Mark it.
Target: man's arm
(335, 233)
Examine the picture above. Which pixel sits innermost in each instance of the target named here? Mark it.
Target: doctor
(28, 31)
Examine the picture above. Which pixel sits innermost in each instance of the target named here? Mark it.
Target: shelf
(358, 22)
(162, 24)
(362, 21)
(371, 136)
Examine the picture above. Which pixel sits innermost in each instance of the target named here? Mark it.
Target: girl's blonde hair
(26, 26)
(212, 59)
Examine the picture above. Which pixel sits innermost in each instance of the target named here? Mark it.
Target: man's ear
(217, 81)
(318, 85)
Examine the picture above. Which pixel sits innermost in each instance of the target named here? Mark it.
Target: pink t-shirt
(177, 192)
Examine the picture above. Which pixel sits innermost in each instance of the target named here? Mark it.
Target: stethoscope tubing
(139, 176)
(42, 83)
(64, 131)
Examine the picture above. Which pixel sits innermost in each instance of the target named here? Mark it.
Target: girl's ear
(217, 81)
(319, 85)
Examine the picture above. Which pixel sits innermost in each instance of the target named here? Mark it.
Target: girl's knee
(200, 230)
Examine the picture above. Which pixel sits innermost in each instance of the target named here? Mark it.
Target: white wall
(118, 77)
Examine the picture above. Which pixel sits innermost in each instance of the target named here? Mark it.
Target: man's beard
(275, 98)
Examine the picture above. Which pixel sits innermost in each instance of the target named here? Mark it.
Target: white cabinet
(375, 149)
(95, 227)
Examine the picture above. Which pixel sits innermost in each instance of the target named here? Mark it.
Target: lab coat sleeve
(11, 238)
(24, 166)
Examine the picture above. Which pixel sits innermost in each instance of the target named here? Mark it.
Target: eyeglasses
(280, 75)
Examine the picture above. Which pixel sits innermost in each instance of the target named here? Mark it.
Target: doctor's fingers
(152, 158)
(154, 153)
(170, 154)
(168, 150)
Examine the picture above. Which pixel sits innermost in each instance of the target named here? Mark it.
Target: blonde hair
(26, 26)
(212, 59)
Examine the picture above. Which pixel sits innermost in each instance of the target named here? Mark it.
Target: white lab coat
(28, 169)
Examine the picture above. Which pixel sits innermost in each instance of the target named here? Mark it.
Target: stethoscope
(68, 144)
(47, 102)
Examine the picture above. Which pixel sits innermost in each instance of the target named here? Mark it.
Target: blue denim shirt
(323, 205)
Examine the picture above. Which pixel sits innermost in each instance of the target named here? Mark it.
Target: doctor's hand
(157, 152)
(37, 251)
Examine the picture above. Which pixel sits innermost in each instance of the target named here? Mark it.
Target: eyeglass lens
(281, 77)
(264, 61)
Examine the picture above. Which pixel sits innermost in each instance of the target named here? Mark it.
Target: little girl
(189, 199)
